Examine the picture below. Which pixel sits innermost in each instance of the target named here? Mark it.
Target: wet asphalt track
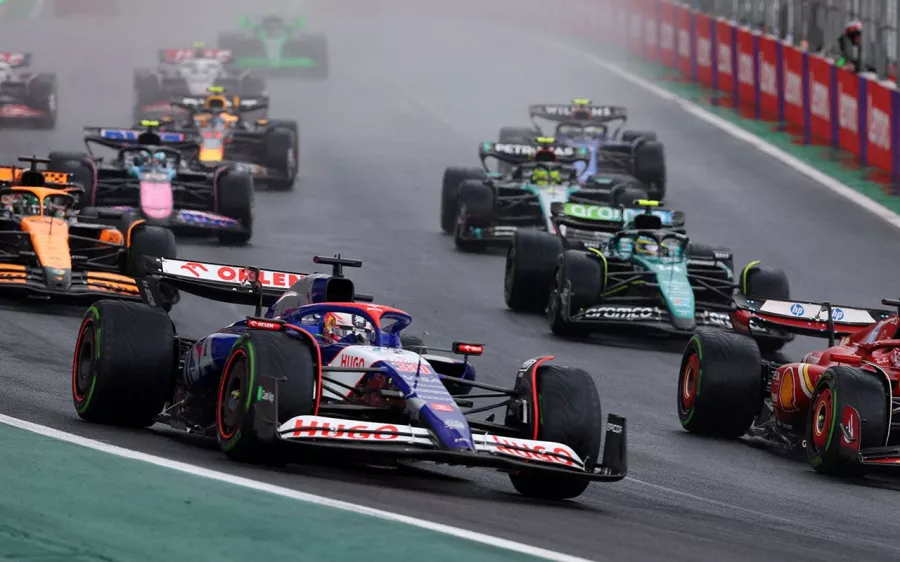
(406, 99)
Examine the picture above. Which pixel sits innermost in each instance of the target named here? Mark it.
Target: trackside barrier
(762, 75)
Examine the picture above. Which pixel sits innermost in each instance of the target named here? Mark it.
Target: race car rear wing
(173, 56)
(116, 138)
(576, 112)
(608, 218)
(820, 319)
(244, 285)
(197, 104)
(519, 153)
(16, 60)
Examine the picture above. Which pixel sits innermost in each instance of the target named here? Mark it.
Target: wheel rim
(821, 422)
(85, 360)
(232, 395)
(690, 376)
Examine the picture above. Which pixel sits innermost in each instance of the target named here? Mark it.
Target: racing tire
(149, 241)
(650, 167)
(846, 396)
(570, 414)
(413, 343)
(760, 281)
(530, 264)
(240, 45)
(313, 46)
(123, 366)
(253, 85)
(42, 93)
(515, 135)
(82, 171)
(632, 136)
(709, 252)
(271, 354)
(234, 199)
(720, 386)
(585, 278)
(476, 210)
(453, 178)
(281, 154)
(627, 195)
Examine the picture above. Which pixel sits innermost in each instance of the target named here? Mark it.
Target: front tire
(530, 263)
(476, 211)
(234, 192)
(453, 178)
(570, 414)
(262, 353)
(123, 364)
(855, 399)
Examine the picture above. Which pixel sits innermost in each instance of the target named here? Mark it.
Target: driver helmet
(646, 245)
(27, 205)
(543, 176)
(54, 209)
(338, 325)
(142, 158)
(160, 159)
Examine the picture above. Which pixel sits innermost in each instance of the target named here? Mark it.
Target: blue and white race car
(325, 369)
(598, 129)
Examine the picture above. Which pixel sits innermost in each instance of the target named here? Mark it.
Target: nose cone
(58, 279)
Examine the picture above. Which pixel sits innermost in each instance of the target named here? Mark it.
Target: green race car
(278, 46)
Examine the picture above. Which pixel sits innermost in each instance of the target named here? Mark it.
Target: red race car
(837, 404)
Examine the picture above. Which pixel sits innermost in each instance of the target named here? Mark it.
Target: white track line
(289, 493)
(825, 180)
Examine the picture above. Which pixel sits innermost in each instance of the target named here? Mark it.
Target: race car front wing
(40, 281)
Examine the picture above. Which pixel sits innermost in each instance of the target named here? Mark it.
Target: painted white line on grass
(289, 493)
(825, 180)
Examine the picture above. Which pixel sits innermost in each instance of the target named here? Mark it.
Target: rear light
(467, 348)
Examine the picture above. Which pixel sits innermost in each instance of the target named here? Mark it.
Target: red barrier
(745, 62)
(768, 77)
(636, 25)
(848, 111)
(724, 35)
(703, 47)
(792, 75)
(878, 126)
(820, 98)
(683, 26)
(667, 22)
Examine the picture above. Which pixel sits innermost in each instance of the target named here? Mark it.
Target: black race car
(26, 98)
(620, 266)
(482, 208)
(189, 72)
(162, 191)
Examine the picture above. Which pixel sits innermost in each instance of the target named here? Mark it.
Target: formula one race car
(320, 371)
(189, 72)
(584, 125)
(482, 208)
(266, 148)
(609, 266)
(148, 178)
(26, 98)
(48, 250)
(838, 403)
(279, 46)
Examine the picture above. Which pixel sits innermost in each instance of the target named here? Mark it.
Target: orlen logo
(684, 43)
(848, 113)
(704, 52)
(768, 82)
(195, 268)
(879, 125)
(819, 106)
(745, 68)
(725, 59)
(667, 37)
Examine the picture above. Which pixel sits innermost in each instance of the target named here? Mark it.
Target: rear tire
(760, 281)
(476, 210)
(123, 365)
(631, 136)
(584, 277)
(281, 154)
(453, 178)
(234, 194)
(530, 263)
(570, 414)
(152, 241)
(837, 390)
(83, 173)
(729, 367)
(650, 167)
(262, 353)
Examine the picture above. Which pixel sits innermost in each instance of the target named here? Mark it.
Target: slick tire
(83, 172)
(453, 178)
(584, 277)
(842, 395)
(149, 241)
(281, 154)
(530, 264)
(124, 363)
(42, 92)
(256, 354)
(708, 252)
(650, 166)
(760, 281)
(720, 387)
(570, 414)
(234, 196)
(313, 46)
(476, 210)
(627, 195)
(632, 136)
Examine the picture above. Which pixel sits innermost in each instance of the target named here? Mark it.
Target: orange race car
(46, 249)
